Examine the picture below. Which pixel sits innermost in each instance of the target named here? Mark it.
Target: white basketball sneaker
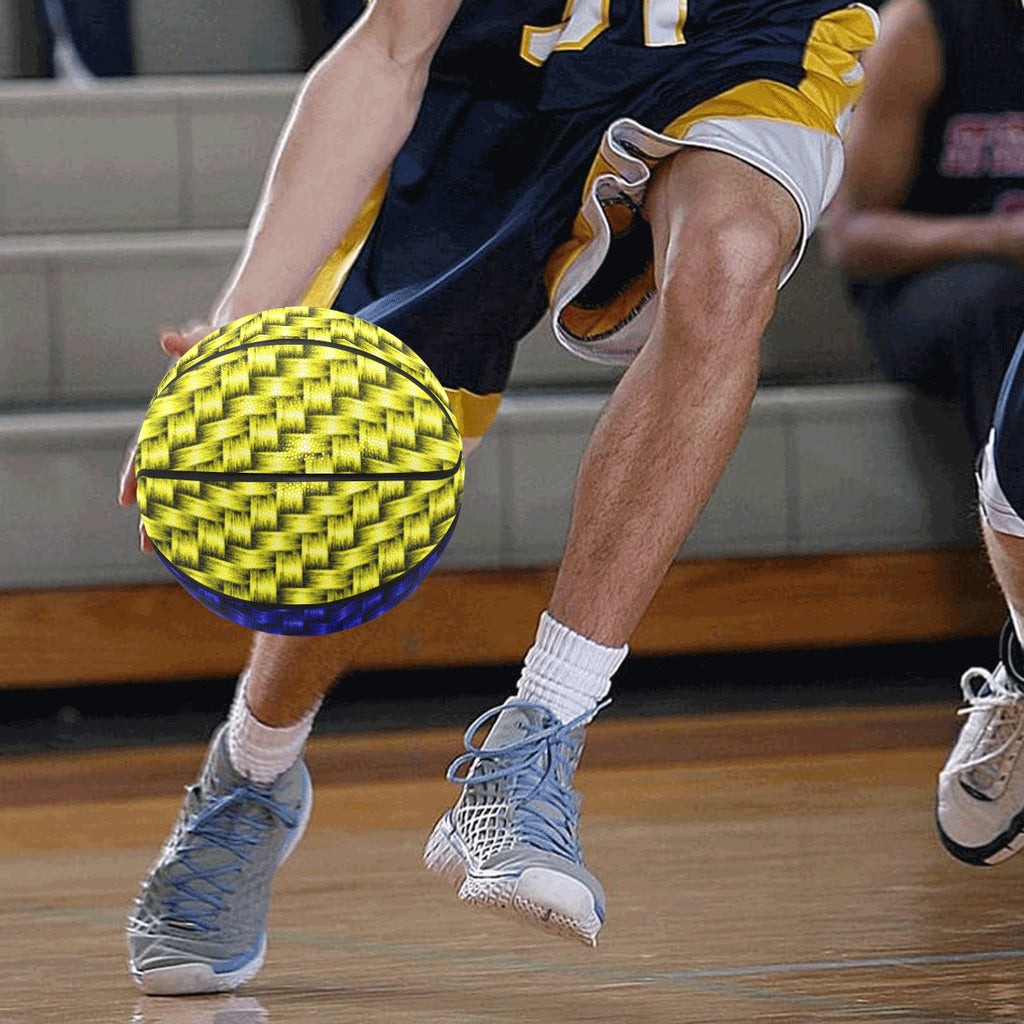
(511, 841)
(199, 922)
(980, 810)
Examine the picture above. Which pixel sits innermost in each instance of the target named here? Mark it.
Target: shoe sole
(541, 897)
(199, 977)
(1003, 847)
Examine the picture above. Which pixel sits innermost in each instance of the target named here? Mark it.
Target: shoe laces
(537, 774)
(995, 695)
(236, 823)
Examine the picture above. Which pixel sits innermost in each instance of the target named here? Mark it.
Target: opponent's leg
(1006, 554)
(199, 921)
(950, 331)
(723, 232)
(980, 806)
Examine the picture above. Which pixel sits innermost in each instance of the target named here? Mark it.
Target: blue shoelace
(545, 808)
(227, 825)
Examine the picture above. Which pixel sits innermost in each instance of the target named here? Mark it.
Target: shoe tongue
(513, 725)
(516, 724)
(220, 776)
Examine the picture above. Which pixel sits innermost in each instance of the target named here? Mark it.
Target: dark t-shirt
(972, 153)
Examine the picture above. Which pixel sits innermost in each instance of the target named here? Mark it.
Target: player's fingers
(176, 343)
(173, 345)
(145, 544)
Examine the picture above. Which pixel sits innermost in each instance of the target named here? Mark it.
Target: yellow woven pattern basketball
(298, 457)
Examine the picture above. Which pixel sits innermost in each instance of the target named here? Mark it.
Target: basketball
(299, 471)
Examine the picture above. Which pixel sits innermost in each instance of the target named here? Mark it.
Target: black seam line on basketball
(328, 344)
(199, 475)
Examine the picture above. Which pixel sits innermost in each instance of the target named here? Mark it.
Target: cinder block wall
(123, 208)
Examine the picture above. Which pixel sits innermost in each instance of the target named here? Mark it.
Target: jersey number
(585, 20)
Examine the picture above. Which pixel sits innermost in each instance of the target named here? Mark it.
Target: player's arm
(865, 232)
(352, 114)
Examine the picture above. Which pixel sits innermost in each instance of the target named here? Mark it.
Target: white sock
(567, 673)
(262, 752)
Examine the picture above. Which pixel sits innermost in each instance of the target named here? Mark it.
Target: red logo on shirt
(984, 146)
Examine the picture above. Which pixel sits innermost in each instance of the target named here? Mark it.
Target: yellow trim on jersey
(582, 233)
(331, 275)
(594, 323)
(532, 33)
(473, 413)
(600, 322)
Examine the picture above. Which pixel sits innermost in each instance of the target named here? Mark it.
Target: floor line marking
(908, 960)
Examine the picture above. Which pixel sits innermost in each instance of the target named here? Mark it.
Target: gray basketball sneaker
(980, 808)
(199, 923)
(511, 839)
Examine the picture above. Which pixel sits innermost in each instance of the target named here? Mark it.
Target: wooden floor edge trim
(130, 773)
(153, 632)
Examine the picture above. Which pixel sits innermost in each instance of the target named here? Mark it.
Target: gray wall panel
(112, 304)
(25, 367)
(88, 166)
(880, 469)
(202, 37)
(231, 140)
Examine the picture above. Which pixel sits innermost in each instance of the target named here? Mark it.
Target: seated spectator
(928, 224)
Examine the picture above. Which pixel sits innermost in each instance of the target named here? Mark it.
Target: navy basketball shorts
(497, 210)
(1000, 471)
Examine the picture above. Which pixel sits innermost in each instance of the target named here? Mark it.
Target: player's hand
(175, 343)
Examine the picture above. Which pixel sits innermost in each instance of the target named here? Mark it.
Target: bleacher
(846, 515)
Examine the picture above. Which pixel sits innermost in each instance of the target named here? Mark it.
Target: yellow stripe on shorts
(833, 80)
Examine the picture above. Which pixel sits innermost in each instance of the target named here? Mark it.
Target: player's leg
(723, 232)
(949, 330)
(198, 923)
(287, 677)
(687, 309)
(980, 806)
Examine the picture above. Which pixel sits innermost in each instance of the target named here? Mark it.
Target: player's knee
(725, 265)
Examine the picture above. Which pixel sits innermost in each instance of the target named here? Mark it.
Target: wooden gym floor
(760, 867)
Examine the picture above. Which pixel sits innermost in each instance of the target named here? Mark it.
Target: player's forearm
(870, 242)
(352, 115)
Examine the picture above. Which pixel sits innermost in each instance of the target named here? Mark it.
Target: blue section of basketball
(314, 620)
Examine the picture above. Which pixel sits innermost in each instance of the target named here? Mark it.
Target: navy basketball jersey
(972, 158)
(554, 55)
(520, 186)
